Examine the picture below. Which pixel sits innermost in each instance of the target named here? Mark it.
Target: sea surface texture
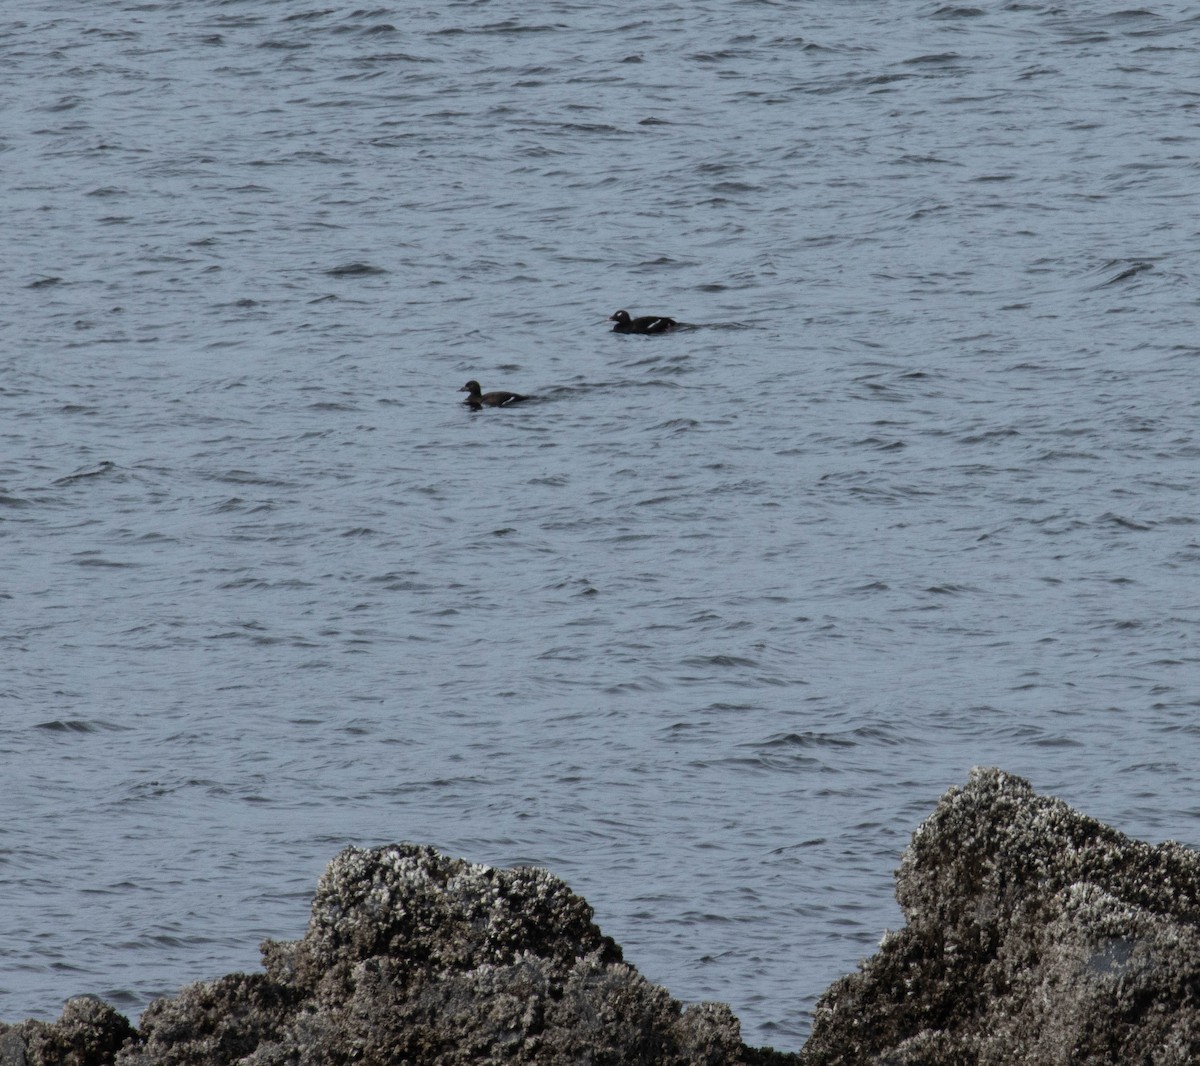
(708, 624)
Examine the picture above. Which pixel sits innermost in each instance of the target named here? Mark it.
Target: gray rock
(1035, 935)
(413, 957)
(88, 1033)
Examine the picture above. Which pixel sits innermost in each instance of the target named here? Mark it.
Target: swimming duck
(645, 324)
(478, 398)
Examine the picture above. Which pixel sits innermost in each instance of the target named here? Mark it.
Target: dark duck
(478, 398)
(644, 324)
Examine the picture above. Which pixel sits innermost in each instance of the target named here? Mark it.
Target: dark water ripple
(708, 625)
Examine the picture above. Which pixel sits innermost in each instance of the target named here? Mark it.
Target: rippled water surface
(708, 625)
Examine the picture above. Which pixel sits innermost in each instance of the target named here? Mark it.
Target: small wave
(93, 559)
(102, 468)
(1122, 522)
(355, 270)
(79, 725)
(806, 740)
(719, 660)
(936, 58)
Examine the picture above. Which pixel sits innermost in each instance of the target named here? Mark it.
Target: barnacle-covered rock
(414, 957)
(88, 1033)
(430, 913)
(1035, 934)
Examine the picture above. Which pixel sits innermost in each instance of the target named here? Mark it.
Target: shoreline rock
(1035, 934)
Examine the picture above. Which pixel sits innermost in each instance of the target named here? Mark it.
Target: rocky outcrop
(1034, 935)
(414, 957)
(89, 1033)
(411, 956)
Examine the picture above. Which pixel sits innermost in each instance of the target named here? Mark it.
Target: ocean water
(705, 627)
